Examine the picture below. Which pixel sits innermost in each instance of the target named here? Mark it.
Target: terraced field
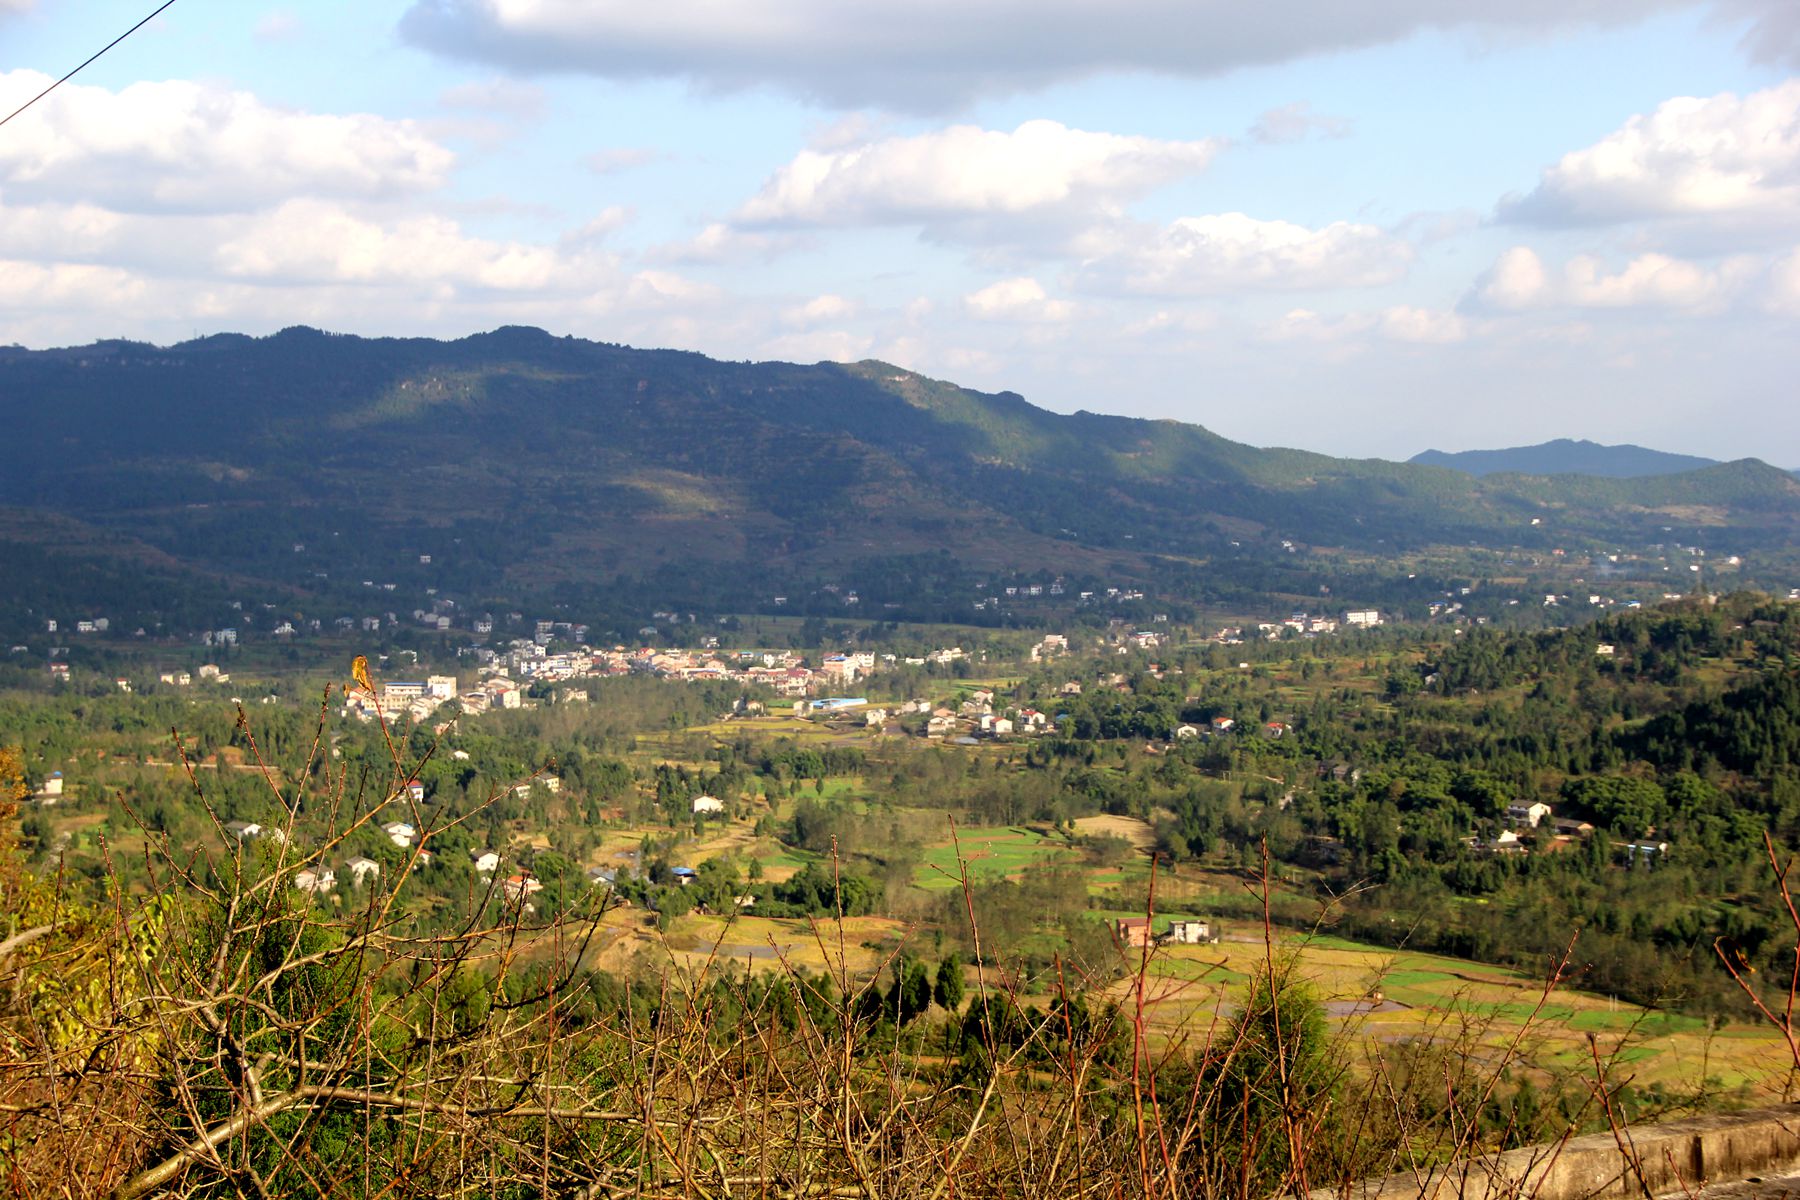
(1375, 997)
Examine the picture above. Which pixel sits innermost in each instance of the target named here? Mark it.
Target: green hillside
(522, 462)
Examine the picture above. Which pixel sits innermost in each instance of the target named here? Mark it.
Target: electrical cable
(15, 112)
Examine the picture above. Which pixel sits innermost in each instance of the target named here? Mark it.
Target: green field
(989, 852)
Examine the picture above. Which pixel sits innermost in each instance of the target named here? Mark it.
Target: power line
(15, 112)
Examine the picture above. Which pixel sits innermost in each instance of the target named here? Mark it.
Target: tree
(1273, 1076)
(912, 990)
(947, 988)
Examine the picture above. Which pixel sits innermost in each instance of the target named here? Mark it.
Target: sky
(1360, 228)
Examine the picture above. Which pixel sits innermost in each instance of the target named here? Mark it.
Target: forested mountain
(522, 463)
(1565, 456)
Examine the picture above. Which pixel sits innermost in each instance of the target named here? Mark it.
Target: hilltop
(515, 463)
(1565, 456)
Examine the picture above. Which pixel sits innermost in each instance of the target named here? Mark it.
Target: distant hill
(1565, 456)
(517, 464)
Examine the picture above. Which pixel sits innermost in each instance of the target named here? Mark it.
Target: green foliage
(947, 985)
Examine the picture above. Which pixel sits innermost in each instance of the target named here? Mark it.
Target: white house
(401, 833)
(486, 862)
(361, 868)
(322, 880)
(708, 804)
(1528, 814)
(1190, 933)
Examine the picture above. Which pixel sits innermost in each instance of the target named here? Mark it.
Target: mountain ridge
(518, 460)
(1566, 456)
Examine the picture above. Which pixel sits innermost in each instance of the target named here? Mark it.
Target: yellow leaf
(359, 670)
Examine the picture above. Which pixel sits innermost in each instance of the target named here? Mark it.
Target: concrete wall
(1677, 1157)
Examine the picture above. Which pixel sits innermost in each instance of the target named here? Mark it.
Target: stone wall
(1679, 1157)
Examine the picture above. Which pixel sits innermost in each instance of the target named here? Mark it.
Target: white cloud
(937, 55)
(29, 285)
(967, 172)
(50, 232)
(1405, 323)
(1295, 123)
(1784, 285)
(1228, 251)
(1519, 280)
(720, 243)
(178, 145)
(667, 289)
(1401, 323)
(820, 310)
(603, 224)
(820, 345)
(1022, 299)
(1164, 321)
(1723, 157)
(1305, 325)
(313, 241)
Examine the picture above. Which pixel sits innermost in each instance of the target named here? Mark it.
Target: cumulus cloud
(937, 55)
(26, 285)
(1723, 157)
(820, 310)
(1519, 280)
(1229, 251)
(1295, 123)
(1405, 323)
(962, 172)
(179, 145)
(1021, 299)
(311, 241)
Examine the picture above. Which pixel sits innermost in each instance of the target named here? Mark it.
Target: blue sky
(1362, 229)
